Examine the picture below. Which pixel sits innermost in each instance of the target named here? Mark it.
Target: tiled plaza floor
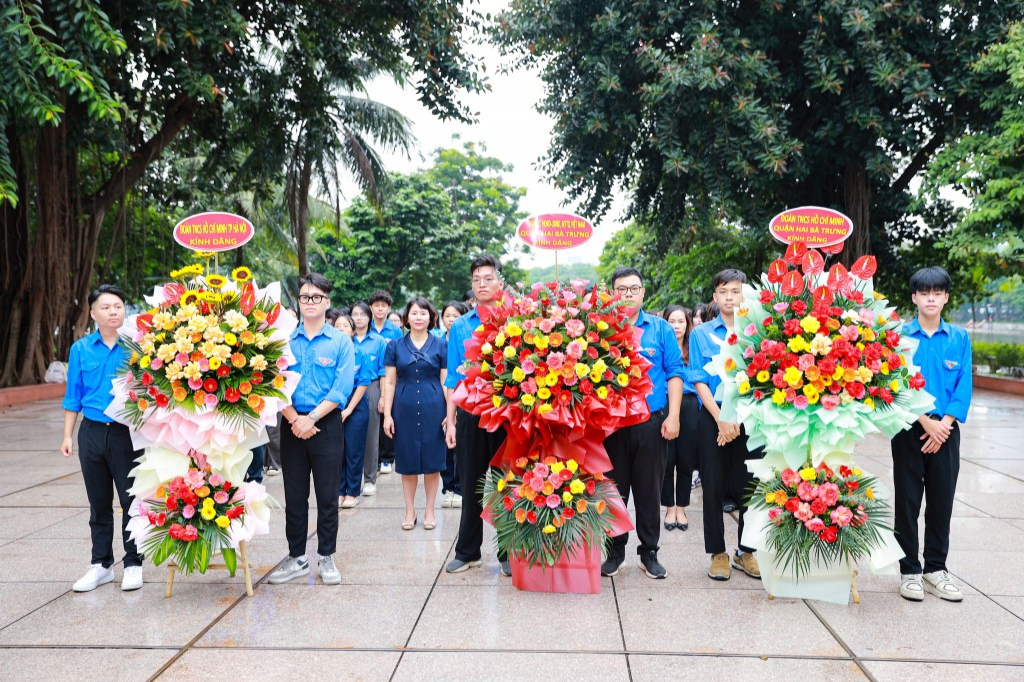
(398, 616)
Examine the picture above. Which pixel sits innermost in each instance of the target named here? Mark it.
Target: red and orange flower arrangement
(559, 367)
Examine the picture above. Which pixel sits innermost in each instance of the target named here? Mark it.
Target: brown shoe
(747, 563)
(720, 567)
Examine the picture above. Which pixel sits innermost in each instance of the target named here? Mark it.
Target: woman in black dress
(415, 407)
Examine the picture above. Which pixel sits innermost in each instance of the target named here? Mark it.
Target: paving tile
(81, 665)
(886, 671)
(991, 572)
(989, 483)
(33, 560)
(687, 567)
(648, 668)
(319, 616)
(48, 495)
(482, 618)
(109, 617)
(511, 667)
(284, 666)
(386, 524)
(18, 522)
(888, 626)
(999, 505)
(1014, 604)
(749, 624)
(20, 599)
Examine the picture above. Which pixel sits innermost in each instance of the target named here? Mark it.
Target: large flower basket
(578, 572)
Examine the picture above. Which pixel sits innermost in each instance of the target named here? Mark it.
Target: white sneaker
(350, 502)
(456, 501)
(446, 501)
(295, 567)
(942, 586)
(329, 573)
(132, 579)
(386, 468)
(369, 490)
(93, 578)
(272, 471)
(910, 587)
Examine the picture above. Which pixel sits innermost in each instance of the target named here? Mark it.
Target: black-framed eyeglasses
(315, 299)
(635, 289)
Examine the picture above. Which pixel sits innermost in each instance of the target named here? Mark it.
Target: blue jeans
(255, 470)
(355, 445)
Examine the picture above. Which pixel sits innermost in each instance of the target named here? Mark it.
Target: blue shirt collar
(717, 324)
(327, 330)
(914, 327)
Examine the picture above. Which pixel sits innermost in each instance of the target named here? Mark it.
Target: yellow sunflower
(202, 254)
(210, 297)
(241, 274)
(189, 298)
(216, 281)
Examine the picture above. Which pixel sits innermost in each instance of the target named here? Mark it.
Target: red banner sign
(555, 231)
(213, 232)
(813, 225)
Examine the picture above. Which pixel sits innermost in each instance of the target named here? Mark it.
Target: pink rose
(553, 501)
(829, 493)
(529, 386)
(842, 516)
(537, 483)
(282, 363)
(546, 325)
(805, 361)
(156, 364)
(750, 329)
(748, 352)
(528, 366)
(574, 349)
(866, 316)
(189, 511)
(575, 328)
(541, 471)
(805, 490)
(815, 525)
(774, 514)
(830, 402)
(556, 360)
(555, 480)
(803, 512)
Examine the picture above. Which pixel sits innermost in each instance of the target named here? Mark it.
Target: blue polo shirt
(461, 331)
(659, 346)
(92, 367)
(373, 347)
(390, 331)
(703, 350)
(327, 364)
(366, 369)
(945, 362)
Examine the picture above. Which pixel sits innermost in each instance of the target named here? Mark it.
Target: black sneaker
(649, 562)
(611, 566)
(505, 568)
(729, 506)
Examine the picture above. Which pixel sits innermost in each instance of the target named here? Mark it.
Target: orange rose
(601, 506)
(558, 522)
(581, 506)
(520, 515)
(143, 404)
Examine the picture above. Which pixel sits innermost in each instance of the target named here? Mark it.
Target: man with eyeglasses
(638, 453)
(474, 447)
(314, 440)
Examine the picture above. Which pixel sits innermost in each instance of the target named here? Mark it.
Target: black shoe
(649, 562)
(683, 526)
(505, 568)
(611, 566)
(728, 506)
(670, 526)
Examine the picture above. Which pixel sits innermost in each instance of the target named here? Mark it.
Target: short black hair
(461, 307)
(622, 273)
(381, 295)
(345, 316)
(361, 305)
(107, 289)
(699, 310)
(315, 279)
(485, 260)
(468, 296)
(423, 303)
(934, 278)
(712, 311)
(728, 275)
(332, 315)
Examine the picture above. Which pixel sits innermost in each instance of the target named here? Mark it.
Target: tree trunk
(857, 202)
(299, 214)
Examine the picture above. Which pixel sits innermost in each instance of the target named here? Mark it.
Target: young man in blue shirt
(104, 446)
(380, 304)
(926, 457)
(721, 446)
(639, 452)
(313, 439)
(474, 447)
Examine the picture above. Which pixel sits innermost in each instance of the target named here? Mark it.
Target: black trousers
(106, 455)
(638, 455)
(917, 475)
(723, 472)
(474, 449)
(320, 455)
(681, 456)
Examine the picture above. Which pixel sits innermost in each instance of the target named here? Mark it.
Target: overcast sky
(512, 130)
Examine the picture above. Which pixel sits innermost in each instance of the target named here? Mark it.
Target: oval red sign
(213, 231)
(812, 225)
(555, 231)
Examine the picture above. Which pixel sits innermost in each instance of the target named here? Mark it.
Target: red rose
(818, 507)
(171, 503)
(210, 385)
(917, 382)
(227, 486)
(592, 352)
(190, 534)
(798, 307)
(895, 362)
(256, 378)
(830, 534)
(232, 395)
(235, 511)
(511, 392)
(732, 339)
(767, 295)
(162, 400)
(759, 395)
(223, 371)
(852, 485)
(591, 487)
(161, 519)
(133, 397)
(855, 389)
(792, 504)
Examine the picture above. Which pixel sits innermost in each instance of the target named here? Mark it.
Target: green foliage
(998, 356)
(988, 165)
(570, 271)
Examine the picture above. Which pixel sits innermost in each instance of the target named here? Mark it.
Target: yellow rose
(602, 392)
(557, 467)
(544, 393)
(622, 379)
(501, 484)
(885, 368)
(528, 400)
(518, 374)
(856, 472)
(487, 349)
(602, 325)
(808, 474)
(793, 376)
(499, 340)
(894, 386)
(496, 400)
(769, 497)
(577, 487)
(869, 402)
(223, 521)
(510, 352)
(763, 376)
(869, 493)
(600, 366)
(779, 396)
(567, 497)
(572, 465)
(513, 330)
(541, 342)
(484, 367)
(549, 529)
(544, 408)
(582, 370)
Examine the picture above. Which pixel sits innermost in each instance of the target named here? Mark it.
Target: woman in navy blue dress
(415, 407)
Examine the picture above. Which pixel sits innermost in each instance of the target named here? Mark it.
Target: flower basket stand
(835, 583)
(243, 564)
(578, 573)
